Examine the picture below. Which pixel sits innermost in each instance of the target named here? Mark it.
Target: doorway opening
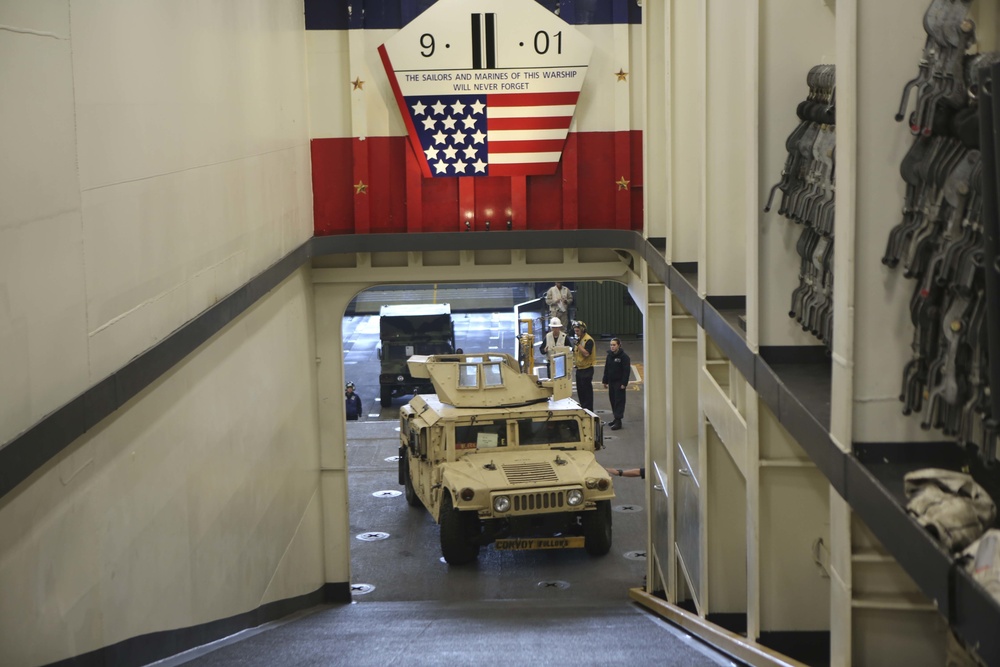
(395, 548)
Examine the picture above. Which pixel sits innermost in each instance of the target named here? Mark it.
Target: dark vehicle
(405, 331)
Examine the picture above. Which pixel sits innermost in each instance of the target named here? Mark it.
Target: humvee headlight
(595, 483)
(574, 497)
(603, 484)
(501, 504)
(466, 494)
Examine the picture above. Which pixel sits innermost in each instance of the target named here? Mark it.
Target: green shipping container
(608, 309)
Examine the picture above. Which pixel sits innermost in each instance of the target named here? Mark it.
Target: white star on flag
(418, 109)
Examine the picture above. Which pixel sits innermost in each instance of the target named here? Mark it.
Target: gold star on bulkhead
(622, 183)
(360, 188)
(358, 84)
(621, 74)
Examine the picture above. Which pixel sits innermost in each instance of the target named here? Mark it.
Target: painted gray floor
(517, 632)
(528, 607)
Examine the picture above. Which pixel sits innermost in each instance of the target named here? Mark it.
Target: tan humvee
(500, 456)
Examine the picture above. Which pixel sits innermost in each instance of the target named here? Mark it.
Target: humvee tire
(412, 499)
(597, 529)
(386, 397)
(457, 530)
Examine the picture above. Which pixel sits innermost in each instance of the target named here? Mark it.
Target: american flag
(492, 135)
(369, 169)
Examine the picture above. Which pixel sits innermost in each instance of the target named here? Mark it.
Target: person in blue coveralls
(353, 402)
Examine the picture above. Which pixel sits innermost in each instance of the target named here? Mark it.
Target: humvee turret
(499, 456)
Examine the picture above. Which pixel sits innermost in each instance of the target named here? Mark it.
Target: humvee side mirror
(598, 433)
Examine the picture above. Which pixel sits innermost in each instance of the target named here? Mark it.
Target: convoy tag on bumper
(518, 544)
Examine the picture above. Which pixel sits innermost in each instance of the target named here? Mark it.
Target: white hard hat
(555, 322)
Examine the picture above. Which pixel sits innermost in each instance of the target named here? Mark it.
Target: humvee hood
(523, 470)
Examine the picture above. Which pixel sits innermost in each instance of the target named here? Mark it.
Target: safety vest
(580, 360)
(551, 341)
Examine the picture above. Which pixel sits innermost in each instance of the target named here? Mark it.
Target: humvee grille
(526, 502)
(520, 473)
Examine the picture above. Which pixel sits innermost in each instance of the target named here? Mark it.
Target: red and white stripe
(526, 132)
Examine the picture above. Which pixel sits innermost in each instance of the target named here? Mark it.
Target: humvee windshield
(414, 326)
(481, 435)
(548, 432)
(485, 435)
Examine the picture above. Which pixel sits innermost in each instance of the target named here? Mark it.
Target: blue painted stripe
(394, 14)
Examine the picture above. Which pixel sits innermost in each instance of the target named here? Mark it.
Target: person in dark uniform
(352, 402)
(583, 359)
(617, 371)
